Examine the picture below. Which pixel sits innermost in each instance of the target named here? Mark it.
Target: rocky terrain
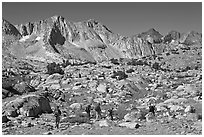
(72, 64)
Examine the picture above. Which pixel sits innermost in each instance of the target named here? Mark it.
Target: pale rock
(57, 81)
(133, 116)
(54, 78)
(176, 101)
(189, 109)
(179, 116)
(34, 82)
(65, 82)
(76, 106)
(131, 125)
(103, 123)
(159, 107)
(101, 88)
(98, 100)
(76, 87)
(55, 86)
(180, 87)
(176, 108)
(174, 97)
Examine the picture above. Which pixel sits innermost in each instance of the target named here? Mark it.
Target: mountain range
(56, 38)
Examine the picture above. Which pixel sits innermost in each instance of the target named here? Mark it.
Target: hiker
(98, 111)
(88, 110)
(110, 113)
(57, 114)
(152, 109)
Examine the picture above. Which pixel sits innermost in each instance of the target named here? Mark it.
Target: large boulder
(103, 123)
(135, 116)
(5, 93)
(53, 79)
(54, 68)
(76, 106)
(23, 87)
(12, 112)
(30, 105)
(35, 82)
(5, 119)
(175, 108)
(189, 109)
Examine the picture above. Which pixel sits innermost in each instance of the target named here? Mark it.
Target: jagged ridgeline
(55, 38)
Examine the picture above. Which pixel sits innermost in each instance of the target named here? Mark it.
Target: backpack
(88, 108)
(57, 112)
(98, 108)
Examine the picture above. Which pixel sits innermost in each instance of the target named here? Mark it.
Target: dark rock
(54, 68)
(56, 37)
(5, 93)
(119, 75)
(129, 70)
(172, 35)
(4, 119)
(12, 112)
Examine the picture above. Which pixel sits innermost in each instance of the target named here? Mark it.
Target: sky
(125, 18)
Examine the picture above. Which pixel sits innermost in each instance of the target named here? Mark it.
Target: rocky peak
(92, 22)
(41, 26)
(193, 37)
(96, 25)
(172, 35)
(9, 29)
(152, 30)
(155, 35)
(57, 18)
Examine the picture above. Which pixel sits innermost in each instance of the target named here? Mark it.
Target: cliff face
(144, 44)
(91, 40)
(88, 35)
(9, 29)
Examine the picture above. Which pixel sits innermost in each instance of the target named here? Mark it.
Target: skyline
(125, 18)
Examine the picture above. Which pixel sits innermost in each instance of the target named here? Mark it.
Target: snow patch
(24, 38)
(38, 38)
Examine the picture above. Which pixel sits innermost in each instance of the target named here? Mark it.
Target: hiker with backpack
(98, 111)
(88, 110)
(110, 113)
(57, 114)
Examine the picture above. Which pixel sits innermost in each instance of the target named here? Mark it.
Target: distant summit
(89, 40)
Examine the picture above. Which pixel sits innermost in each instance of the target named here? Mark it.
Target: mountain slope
(89, 40)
